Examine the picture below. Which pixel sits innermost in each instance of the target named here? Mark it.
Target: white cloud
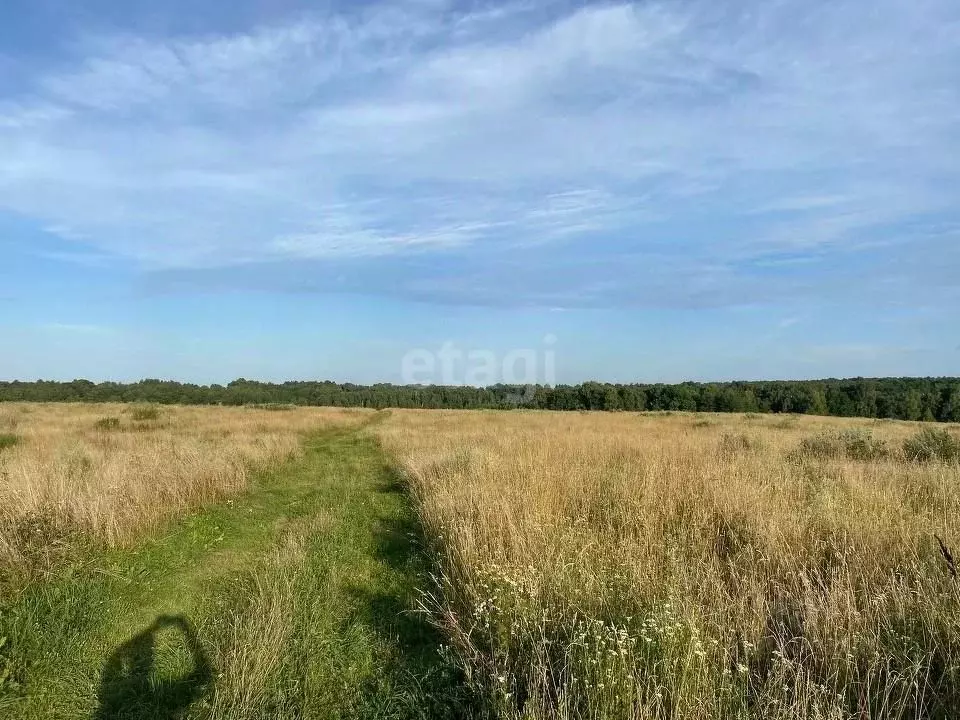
(409, 128)
(77, 329)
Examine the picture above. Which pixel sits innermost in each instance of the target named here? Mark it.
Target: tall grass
(72, 475)
(256, 638)
(629, 566)
(587, 565)
(932, 444)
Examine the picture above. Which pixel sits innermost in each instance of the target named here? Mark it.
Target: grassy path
(291, 601)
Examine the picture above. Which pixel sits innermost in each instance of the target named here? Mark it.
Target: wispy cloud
(77, 329)
(681, 149)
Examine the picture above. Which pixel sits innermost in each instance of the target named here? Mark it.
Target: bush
(736, 443)
(787, 423)
(107, 424)
(848, 444)
(145, 413)
(930, 444)
(8, 441)
(861, 445)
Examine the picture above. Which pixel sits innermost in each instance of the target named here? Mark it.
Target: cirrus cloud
(685, 147)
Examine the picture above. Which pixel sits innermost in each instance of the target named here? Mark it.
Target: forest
(927, 399)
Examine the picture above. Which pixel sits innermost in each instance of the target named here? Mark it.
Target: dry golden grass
(74, 471)
(684, 566)
(590, 565)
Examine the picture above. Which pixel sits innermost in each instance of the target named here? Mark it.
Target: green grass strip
(293, 600)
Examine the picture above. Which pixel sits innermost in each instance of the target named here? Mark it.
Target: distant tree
(611, 399)
(907, 398)
(819, 406)
(911, 405)
(949, 404)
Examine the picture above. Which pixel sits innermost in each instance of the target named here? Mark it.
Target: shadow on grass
(129, 688)
(423, 684)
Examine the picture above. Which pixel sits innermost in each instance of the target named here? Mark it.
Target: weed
(947, 557)
(273, 407)
(737, 443)
(10, 675)
(107, 424)
(787, 423)
(932, 444)
(852, 444)
(8, 440)
(145, 413)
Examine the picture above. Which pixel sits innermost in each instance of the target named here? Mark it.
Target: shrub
(788, 423)
(41, 540)
(736, 443)
(107, 424)
(145, 413)
(861, 445)
(849, 444)
(932, 444)
(7, 441)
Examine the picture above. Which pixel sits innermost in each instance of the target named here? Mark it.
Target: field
(274, 562)
(113, 472)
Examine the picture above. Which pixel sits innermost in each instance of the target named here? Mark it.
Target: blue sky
(675, 190)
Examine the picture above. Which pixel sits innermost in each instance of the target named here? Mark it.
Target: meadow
(111, 473)
(683, 566)
(281, 562)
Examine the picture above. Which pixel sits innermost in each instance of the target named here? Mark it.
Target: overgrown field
(111, 473)
(272, 563)
(682, 566)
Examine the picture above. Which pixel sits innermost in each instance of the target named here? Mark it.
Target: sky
(651, 191)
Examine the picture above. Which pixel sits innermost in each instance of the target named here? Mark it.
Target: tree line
(930, 399)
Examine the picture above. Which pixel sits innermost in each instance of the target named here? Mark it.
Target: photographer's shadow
(129, 689)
